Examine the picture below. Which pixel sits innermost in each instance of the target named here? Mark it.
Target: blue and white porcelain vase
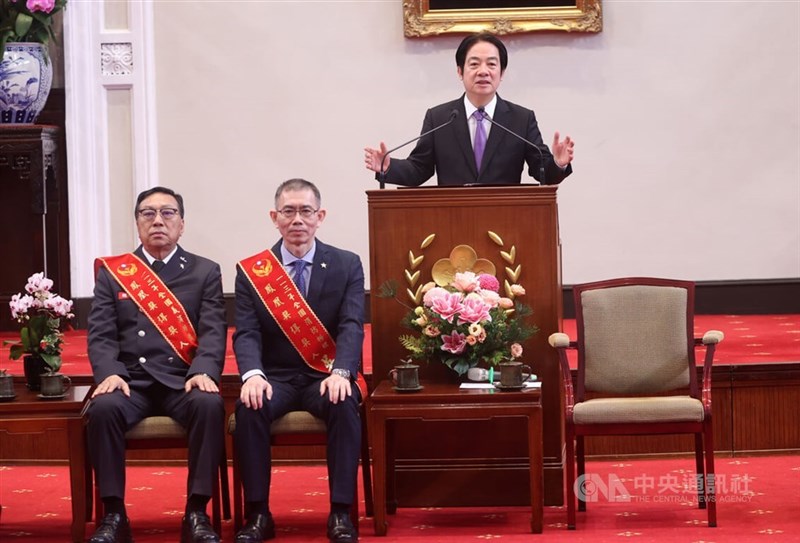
(25, 78)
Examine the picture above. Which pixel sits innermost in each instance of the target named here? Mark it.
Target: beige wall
(686, 118)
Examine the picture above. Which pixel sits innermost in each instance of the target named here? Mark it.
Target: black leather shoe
(258, 528)
(341, 529)
(114, 528)
(196, 528)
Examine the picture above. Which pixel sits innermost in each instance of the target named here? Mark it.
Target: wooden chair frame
(702, 430)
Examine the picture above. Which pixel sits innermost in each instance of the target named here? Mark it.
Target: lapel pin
(324, 265)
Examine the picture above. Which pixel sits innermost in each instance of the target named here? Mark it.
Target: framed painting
(423, 18)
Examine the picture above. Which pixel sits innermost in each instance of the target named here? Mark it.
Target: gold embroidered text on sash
(154, 298)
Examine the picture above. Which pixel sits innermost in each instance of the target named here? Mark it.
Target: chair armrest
(713, 336)
(559, 340)
(561, 343)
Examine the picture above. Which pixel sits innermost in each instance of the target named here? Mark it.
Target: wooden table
(27, 414)
(445, 401)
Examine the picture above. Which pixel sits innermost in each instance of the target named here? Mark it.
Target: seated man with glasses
(298, 341)
(157, 334)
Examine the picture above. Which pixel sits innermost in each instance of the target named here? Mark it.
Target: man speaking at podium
(478, 138)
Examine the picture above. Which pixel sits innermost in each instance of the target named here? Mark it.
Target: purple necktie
(480, 138)
(299, 276)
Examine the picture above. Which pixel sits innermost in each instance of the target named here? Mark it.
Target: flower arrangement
(465, 322)
(28, 20)
(40, 313)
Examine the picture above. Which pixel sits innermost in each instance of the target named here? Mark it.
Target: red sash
(148, 291)
(291, 312)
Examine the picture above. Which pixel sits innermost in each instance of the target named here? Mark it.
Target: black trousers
(112, 415)
(343, 422)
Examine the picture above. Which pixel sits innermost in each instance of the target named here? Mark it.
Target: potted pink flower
(41, 314)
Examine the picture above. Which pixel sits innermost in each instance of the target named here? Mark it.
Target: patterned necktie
(480, 138)
(299, 276)
(158, 265)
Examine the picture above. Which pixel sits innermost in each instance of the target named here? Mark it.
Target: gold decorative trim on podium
(420, 19)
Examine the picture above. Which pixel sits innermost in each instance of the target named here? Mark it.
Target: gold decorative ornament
(419, 20)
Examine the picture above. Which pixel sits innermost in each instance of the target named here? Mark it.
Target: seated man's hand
(338, 388)
(110, 384)
(253, 390)
(203, 382)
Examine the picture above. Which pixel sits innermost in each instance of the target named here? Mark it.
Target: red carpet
(757, 501)
(749, 339)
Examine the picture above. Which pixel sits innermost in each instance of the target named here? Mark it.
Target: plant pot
(26, 74)
(34, 366)
(6, 386)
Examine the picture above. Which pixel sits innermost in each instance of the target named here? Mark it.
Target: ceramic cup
(6, 386)
(55, 384)
(405, 376)
(513, 374)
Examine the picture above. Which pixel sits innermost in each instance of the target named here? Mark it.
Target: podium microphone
(382, 174)
(541, 154)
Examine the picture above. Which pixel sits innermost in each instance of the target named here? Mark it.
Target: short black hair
(467, 43)
(159, 190)
(298, 184)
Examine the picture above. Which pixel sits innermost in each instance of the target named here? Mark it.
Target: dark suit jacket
(449, 152)
(335, 294)
(120, 334)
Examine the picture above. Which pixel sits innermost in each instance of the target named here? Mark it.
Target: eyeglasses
(306, 212)
(167, 213)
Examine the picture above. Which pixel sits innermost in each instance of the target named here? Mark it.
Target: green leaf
(53, 361)
(16, 351)
(22, 24)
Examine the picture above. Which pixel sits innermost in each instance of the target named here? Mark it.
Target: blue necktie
(157, 265)
(299, 276)
(480, 138)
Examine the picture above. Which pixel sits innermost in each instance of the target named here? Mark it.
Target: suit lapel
(502, 115)
(177, 266)
(319, 273)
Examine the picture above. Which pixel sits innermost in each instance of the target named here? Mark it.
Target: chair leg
(225, 487)
(581, 461)
(570, 494)
(98, 505)
(238, 498)
(701, 471)
(710, 479)
(366, 470)
(216, 520)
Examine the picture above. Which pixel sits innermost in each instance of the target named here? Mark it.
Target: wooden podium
(525, 220)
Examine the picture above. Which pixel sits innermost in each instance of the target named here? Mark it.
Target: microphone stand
(541, 154)
(382, 173)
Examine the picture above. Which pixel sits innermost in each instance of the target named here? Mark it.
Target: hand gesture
(563, 150)
(373, 158)
(337, 387)
(110, 384)
(253, 391)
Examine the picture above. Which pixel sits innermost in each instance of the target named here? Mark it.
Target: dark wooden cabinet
(34, 224)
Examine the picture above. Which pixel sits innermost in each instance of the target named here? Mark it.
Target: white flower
(20, 304)
(38, 283)
(58, 305)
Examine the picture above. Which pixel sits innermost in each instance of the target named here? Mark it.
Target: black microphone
(541, 154)
(382, 173)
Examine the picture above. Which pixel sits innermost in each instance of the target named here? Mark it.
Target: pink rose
(505, 303)
(489, 282)
(41, 5)
(454, 343)
(431, 331)
(490, 298)
(516, 350)
(434, 294)
(429, 285)
(465, 282)
(471, 340)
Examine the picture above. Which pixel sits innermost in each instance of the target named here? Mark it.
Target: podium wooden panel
(525, 217)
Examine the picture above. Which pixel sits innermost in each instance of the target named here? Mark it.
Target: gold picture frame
(422, 20)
